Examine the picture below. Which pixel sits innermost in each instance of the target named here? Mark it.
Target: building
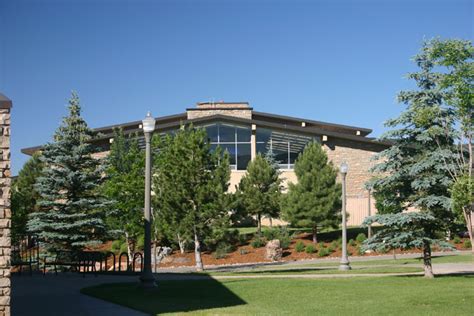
(243, 132)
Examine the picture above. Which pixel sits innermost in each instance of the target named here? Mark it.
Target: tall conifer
(71, 211)
(315, 200)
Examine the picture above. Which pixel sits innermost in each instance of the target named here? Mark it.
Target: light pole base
(147, 282)
(344, 266)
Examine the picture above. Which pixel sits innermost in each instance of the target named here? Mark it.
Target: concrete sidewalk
(59, 295)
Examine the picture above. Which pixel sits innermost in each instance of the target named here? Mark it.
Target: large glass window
(285, 147)
(234, 139)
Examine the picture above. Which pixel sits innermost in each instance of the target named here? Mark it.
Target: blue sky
(337, 61)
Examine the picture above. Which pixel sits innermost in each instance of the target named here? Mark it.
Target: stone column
(5, 212)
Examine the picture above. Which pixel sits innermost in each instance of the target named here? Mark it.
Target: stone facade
(5, 212)
(240, 110)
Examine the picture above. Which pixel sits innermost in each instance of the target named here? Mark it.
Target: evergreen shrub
(299, 247)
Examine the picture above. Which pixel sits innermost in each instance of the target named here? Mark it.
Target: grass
(348, 296)
(356, 270)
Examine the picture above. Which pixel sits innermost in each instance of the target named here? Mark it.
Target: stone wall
(5, 212)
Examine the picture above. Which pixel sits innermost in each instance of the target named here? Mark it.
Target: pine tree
(71, 210)
(411, 173)
(315, 200)
(24, 195)
(190, 185)
(259, 190)
(124, 187)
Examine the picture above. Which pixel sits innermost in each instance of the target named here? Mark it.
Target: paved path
(59, 295)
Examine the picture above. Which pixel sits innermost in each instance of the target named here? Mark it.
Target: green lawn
(314, 270)
(348, 296)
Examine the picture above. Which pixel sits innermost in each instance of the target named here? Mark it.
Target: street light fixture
(344, 264)
(147, 279)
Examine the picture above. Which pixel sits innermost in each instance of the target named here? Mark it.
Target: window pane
(231, 149)
(226, 133)
(243, 156)
(243, 134)
(280, 152)
(263, 135)
(211, 131)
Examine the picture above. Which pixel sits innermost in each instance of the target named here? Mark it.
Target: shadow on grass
(169, 297)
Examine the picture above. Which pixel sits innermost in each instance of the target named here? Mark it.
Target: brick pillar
(5, 212)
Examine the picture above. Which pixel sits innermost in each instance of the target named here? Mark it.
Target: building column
(253, 142)
(5, 212)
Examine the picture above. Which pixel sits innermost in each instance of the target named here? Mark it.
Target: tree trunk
(197, 252)
(130, 247)
(427, 261)
(466, 211)
(259, 224)
(181, 244)
(271, 222)
(315, 234)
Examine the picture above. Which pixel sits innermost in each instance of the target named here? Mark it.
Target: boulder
(273, 250)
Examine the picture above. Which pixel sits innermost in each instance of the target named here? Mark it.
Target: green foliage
(404, 231)
(125, 169)
(280, 233)
(310, 248)
(467, 244)
(71, 211)
(116, 244)
(258, 241)
(259, 191)
(299, 247)
(462, 194)
(323, 252)
(190, 181)
(316, 198)
(457, 240)
(360, 251)
(352, 242)
(123, 248)
(361, 238)
(332, 247)
(24, 196)
(222, 250)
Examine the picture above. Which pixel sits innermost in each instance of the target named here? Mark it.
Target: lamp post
(147, 279)
(344, 264)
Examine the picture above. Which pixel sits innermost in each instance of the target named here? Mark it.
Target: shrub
(359, 251)
(467, 244)
(334, 245)
(310, 248)
(222, 250)
(123, 247)
(243, 239)
(299, 247)
(352, 242)
(457, 240)
(116, 246)
(361, 238)
(323, 252)
(257, 241)
(281, 234)
(140, 242)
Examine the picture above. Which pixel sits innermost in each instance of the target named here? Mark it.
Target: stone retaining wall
(5, 212)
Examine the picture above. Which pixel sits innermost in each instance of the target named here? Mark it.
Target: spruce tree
(412, 173)
(259, 190)
(71, 210)
(315, 200)
(190, 184)
(125, 167)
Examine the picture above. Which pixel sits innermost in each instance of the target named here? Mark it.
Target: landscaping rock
(273, 250)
